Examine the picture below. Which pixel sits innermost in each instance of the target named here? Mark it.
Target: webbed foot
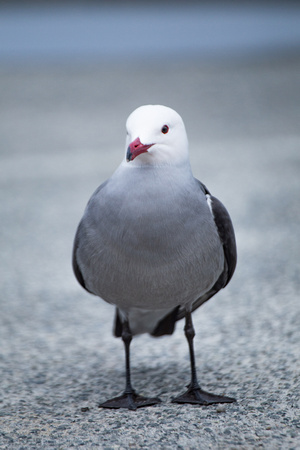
(130, 401)
(200, 397)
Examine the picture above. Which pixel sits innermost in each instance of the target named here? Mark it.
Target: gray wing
(227, 237)
(75, 265)
(76, 268)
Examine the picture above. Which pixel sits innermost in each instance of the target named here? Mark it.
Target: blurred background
(124, 31)
(70, 74)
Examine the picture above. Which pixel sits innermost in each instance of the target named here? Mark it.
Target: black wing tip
(227, 236)
(118, 326)
(166, 325)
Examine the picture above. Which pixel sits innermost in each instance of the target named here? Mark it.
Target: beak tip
(136, 148)
(128, 155)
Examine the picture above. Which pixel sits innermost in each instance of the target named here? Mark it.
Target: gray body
(149, 243)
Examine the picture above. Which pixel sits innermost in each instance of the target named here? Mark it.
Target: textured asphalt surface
(62, 134)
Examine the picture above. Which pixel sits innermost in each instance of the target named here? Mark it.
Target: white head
(155, 136)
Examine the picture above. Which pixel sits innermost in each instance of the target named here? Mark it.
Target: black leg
(129, 399)
(195, 394)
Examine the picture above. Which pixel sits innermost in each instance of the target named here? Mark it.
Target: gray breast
(155, 247)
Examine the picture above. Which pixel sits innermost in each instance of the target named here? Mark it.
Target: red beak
(135, 149)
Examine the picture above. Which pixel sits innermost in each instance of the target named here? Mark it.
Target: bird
(155, 243)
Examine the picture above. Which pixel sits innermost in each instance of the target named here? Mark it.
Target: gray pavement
(62, 134)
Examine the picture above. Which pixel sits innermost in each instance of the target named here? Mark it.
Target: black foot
(129, 401)
(200, 397)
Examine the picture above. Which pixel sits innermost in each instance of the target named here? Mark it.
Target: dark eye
(165, 129)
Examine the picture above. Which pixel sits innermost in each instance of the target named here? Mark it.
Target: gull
(155, 243)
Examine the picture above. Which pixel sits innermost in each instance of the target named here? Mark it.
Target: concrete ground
(62, 134)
